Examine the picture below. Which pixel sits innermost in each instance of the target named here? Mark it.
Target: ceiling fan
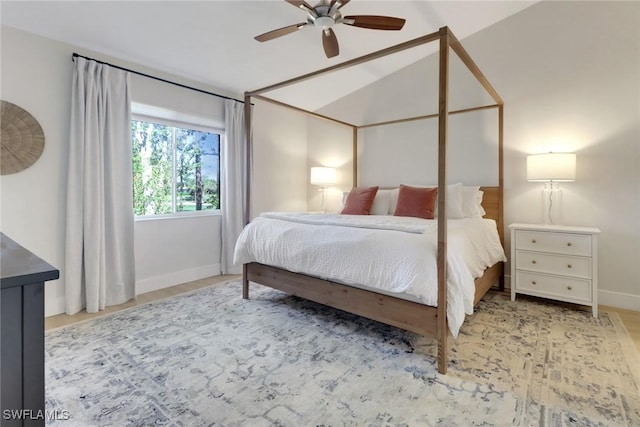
(325, 15)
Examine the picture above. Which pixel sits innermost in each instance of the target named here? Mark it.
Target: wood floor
(631, 319)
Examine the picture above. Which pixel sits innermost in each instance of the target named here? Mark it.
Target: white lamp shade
(551, 167)
(323, 175)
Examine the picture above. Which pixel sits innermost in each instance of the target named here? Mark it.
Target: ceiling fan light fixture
(324, 22)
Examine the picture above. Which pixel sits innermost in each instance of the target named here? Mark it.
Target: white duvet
(396, 255)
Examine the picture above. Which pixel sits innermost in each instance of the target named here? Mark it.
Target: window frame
(197, 125)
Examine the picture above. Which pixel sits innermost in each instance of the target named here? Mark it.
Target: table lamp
(551, 168)
(323, 176)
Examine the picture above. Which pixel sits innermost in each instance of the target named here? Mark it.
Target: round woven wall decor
(22, 139)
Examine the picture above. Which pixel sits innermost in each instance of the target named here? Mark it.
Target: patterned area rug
(211, 358)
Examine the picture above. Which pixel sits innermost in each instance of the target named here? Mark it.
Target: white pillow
(345, 194)
(381, 203)
(481, 212)
(454, 202)
(472, 202)
(393, 200)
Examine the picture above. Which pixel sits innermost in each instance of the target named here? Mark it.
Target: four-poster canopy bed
(402, 313)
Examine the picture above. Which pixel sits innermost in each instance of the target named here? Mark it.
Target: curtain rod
(76, 55)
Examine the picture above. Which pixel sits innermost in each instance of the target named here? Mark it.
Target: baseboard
(155, 283)
(54, 305)
(619, 300)
(507, 281)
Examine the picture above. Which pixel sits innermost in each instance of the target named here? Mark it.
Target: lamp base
(322, 209)
(551, 204)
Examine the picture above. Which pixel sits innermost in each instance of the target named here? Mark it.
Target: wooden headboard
(491, 204)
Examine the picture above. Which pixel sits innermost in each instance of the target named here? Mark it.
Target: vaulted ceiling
(213, 41)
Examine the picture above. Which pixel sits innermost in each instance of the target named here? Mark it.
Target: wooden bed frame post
(500, 184)
(247, 159)
(247, 183)
(355, 156)
(443, 115)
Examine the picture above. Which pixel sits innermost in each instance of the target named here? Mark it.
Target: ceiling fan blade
(300, 4)
(374, 22)
(280, 32)
(330, 43)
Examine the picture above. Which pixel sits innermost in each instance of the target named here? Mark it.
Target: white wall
(407, 153)
(170, 251)
(568, 73)
(37, 75)
(411, 91)
(329, 144)
(280, 159)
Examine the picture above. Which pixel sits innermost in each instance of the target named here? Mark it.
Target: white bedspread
(392, 254)
(379, 222)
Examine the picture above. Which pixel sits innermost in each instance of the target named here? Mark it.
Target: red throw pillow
(359, 201)
(416, 202)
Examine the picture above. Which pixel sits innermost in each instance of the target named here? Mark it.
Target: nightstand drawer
(560, 243)
(554, 264)
(563, 288)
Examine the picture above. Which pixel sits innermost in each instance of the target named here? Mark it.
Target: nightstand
(555, 261)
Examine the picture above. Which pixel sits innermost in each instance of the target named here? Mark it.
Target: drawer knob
(533, 240)
(569, 266)
(533, 261)
(569, 287)
(533, 282)
(569, 244)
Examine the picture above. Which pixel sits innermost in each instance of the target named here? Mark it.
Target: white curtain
(232, 183)
(99, 254)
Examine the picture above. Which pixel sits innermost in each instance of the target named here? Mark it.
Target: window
(175, 169)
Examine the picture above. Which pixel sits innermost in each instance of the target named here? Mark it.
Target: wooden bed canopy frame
(412, 316)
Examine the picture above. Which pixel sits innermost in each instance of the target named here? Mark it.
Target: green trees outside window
(174, 169)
